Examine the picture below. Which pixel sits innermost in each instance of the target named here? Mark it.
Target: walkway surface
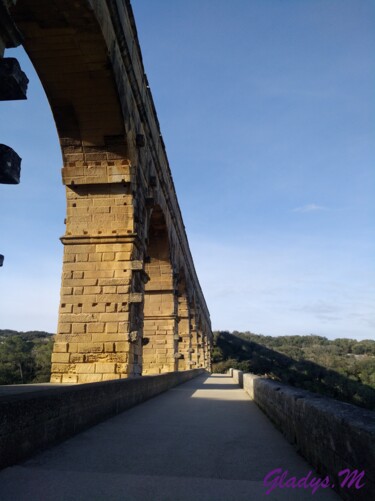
(203, 441)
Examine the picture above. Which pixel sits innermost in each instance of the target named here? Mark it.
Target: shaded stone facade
(130, 302)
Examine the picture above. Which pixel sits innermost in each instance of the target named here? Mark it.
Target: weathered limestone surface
(331, 435)
(34, 420)
(125, 248)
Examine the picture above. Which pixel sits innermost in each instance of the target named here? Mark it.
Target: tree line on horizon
(341, 368)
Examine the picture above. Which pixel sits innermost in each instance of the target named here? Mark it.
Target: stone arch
(69, 52)
(160, 305)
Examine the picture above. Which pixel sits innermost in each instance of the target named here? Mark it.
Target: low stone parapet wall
(34, 420)
(333, 436)
(237, 376)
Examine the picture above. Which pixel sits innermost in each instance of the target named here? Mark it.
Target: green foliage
(16, 361)
(25, 357)
(42, 356)
(332, 368)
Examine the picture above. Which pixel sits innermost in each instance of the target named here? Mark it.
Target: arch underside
(130, 299)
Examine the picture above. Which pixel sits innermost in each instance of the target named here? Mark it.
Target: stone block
(85, 368)
(95, 327)
(77, 358)
(121, 346)
(59, 368)
(69, 378)
(60, 347)
(109, 347)
(90, 347)
(89, 378)
(78, 328)
(105, 368)
(60, 357)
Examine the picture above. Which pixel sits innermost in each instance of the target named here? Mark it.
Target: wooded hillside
(25, 357)
(343, 368)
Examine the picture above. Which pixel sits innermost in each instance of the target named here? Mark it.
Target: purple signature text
(281, 479)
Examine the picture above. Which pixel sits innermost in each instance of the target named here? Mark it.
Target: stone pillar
(204, 349)
(159, 324)
(160, 301)
(197, 340)
(208, 364)
(194, 342)
(184, 336)
(200, 362)
(96, 338)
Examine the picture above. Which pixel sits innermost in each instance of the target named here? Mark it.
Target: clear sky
(267, 109)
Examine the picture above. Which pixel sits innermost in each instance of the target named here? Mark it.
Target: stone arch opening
(67, 48)
(32, 211)
(160, 304)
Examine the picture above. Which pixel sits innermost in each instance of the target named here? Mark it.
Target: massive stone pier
(131, 302)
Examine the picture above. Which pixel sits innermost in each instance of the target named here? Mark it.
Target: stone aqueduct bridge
(131, 302)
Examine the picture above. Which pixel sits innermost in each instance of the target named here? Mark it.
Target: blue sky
(267, 111)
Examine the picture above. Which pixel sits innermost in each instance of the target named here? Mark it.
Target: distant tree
(42, 356)
(16, 361)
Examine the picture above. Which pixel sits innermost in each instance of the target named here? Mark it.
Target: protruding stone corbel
(133, 336)
(10, 165)
(136, 265)
(135, 297)
(10, 34)
(13, 81)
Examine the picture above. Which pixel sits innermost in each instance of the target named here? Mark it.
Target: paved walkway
(202, 441)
